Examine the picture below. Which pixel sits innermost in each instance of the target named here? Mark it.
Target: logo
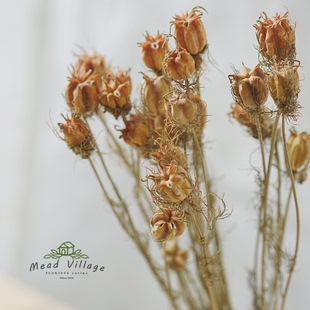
(69, 263)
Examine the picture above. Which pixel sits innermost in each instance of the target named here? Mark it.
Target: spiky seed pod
(167, 224)
(82, 93)
(276, 38)
(249, 88)
(137, 132)
(115, 93)
(152, 91)
(190, 32)
(172, 184)
(298, 146)
(174, 257)
(94, 63)
(243, 118)
(77, 135)
(178, 64)
(153, 51)
(283, 85)
(168, 153)
(181, 108)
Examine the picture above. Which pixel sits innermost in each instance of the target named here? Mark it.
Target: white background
(48, 196)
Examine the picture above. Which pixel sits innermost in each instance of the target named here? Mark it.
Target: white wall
(48, 196)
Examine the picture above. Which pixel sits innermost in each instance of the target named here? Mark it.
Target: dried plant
(175, 211)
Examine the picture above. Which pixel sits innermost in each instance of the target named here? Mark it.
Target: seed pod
(94, 63)
(298, 150)
(276, 38)
(167, 224)
(190, 32)
(172, 184)
(153, 51)
(178, 64)
(115, 93)
(82, 93)
(152, 92)
(181, 108)
(174, 257)
(77, 135)
(243, 117)
(284, 88)
(136, 133)
(249, 88)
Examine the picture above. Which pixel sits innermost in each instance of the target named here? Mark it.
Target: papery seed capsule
(82, 93)
(181, 108)
(178, 64)
(94, 63)
(298, 146)
(77, 135)
(174, 257)
(173, 184)
(153, 51)
(167, 224)
(115, 93)
(284, 88)
(152, 92)
(190, 32)
(249, 88)
(276, 37)
(136, 133)
(242, 116)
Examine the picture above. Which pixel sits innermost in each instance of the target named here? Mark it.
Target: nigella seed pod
(94, 64)
(152, 91)
(137, 132)
(167, 224)
(284, 88)
(82, 93)
(172, 185)
(153, 51)
(174, 257)
(77, 135)
(298, 146)
(243, 118)
(249, 88)
(178, 64)
(276, 38)
(115, 93)
(181, 108)
(190, 32)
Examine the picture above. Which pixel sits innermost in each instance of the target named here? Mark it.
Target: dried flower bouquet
(173, 219)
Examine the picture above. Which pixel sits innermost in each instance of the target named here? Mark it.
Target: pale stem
(264, 207)
(290, 173)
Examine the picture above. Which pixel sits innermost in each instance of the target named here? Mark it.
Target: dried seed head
(243, 117)
(82, 93)
(190, 32)
(137, 132)
(167, 224)
(152, 92)
(115, 93)
(77, 135)
(153, 51)
(298, 146)
(94, 63)
(172, 185)
(174, 257)
(283, 85)
(249, 88)
(181, 109)
(178, 64)
(168, 153)
(276, 38)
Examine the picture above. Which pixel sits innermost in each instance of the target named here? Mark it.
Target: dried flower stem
(291, 176)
